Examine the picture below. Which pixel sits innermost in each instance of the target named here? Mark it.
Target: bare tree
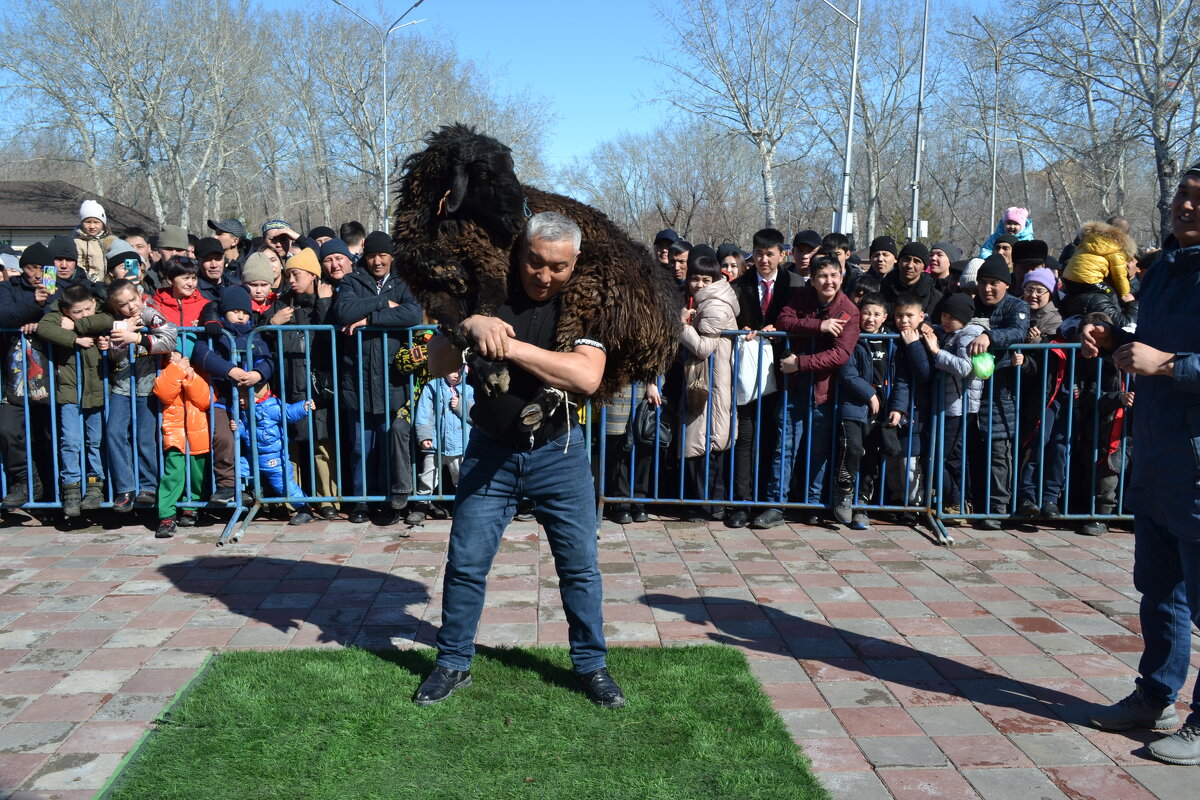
(743, 65)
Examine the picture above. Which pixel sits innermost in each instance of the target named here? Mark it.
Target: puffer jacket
(270, 414)
(231, 347)
(448, 428)
(1023, 235)
(91, 250)
(305, 361)
(855, 387)
(185, 313)
(1008, 323)
(960, 381)
(67, 388)
(185, 400)
(716, 311)
(1101, 257)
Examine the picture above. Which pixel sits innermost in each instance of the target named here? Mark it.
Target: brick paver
(903, 669)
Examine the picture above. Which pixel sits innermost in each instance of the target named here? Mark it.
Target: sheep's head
(468, 175)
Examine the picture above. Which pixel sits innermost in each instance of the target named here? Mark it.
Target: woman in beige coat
(713, 308)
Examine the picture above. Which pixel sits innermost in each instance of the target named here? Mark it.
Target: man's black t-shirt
(534, 323)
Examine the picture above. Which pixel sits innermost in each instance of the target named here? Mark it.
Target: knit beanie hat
(996, 268)
(335, 245)
(916, 249)
(1006, 238)
(235, 298)
(883, 244)
(322, 230)
(1017, 215)
(63, 247)
(960, 306)
(258, 268)
(377, 242)
(952, 251)
(36, 253)
(728, 249)
(1040, 276)
(305, 260)
(90, 208)
(118, 251)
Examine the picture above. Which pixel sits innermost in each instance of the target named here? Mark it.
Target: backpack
(25, 357)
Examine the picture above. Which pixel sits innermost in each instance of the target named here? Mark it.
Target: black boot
(71, 498)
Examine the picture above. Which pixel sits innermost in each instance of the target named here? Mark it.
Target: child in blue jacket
(274, 467)
(443, 426)
(220, 357)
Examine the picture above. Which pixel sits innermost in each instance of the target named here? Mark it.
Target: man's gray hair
(550, 226)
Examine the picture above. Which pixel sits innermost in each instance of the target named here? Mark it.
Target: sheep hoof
(492, 375)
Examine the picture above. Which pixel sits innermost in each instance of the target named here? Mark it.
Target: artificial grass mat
(340, 724)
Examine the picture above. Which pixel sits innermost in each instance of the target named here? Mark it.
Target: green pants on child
(173, 485)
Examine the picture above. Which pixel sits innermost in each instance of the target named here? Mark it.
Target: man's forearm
(578, 371)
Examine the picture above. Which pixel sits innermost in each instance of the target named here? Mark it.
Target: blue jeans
(815, 452)
(1047, 445)
(120, 436)
(493, 479)
(1166, 570)
(79, 432)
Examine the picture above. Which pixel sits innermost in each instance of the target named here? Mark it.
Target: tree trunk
(767, 153)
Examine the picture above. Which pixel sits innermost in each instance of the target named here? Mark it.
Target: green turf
(340, 724)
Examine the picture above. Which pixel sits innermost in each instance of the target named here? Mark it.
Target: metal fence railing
(1051, 434)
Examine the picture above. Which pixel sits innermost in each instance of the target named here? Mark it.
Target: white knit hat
(91, 208)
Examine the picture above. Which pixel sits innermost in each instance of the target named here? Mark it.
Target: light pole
(842, 223)
(384, 33)
(914, 225)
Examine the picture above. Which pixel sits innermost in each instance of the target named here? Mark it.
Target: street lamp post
(842, 223)
(384, 33)
(914, 230)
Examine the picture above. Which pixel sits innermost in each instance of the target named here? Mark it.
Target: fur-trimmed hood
(1101, 239)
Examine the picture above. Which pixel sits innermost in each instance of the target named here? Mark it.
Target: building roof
(55, 205)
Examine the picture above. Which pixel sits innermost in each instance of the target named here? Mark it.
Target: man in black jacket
(22, 303)
(371, 392)
(761, 294)
(909, 277)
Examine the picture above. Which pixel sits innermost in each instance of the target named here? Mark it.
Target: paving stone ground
(904, 669)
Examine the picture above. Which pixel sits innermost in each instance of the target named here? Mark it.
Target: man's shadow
(350, 605)
(878, 659)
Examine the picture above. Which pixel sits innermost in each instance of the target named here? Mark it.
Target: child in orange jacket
(185, 398)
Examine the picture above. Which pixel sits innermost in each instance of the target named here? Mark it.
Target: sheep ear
(458, 189)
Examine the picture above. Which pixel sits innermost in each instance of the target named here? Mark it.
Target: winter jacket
(17, 304)
(855, 386)
(960, 381)
(215, 356)
(91, 250)
(716, 311)
(924, 288)
(88, 364)
(183, 313)
(158, 340)
(1081, 299)
(1023, 235)
(185, 400)
(1101, 257)
(1046, 319)
(304, 359)
(1166, 464)
(270, 414)
(818, 356)
(360, 296)
(912, 376)
(1008, 323)
(448, 428)
(212, 291)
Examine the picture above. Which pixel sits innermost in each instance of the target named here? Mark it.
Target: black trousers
(954, 478)
(757, 437)
(849, 457)
(714, 488)
(997, 458)
(12, 441)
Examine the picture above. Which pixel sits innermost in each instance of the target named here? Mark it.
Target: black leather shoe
(738, 518)
(767, 519)
(359, 515)
(622, 517)
(440, 684)
(601, 689)
(640, 515)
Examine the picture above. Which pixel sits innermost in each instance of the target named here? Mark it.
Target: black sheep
(460, 212)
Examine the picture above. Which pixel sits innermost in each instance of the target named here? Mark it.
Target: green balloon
(983, 365)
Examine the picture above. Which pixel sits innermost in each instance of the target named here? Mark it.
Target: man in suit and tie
(761, 293)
